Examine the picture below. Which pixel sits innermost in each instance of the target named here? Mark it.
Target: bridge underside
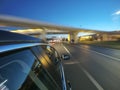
(31, 27)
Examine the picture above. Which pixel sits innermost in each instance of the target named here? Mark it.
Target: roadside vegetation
(109, 44)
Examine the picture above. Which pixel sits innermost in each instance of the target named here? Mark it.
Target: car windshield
(87, 30)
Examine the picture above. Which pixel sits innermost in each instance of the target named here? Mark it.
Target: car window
(22, 71)
(52, 53)
(47, 63)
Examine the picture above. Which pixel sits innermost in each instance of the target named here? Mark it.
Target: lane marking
(117, 59)
(97, 85)
(71, 62)
(66, 50)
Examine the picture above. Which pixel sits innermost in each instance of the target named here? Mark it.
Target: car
(28, 63)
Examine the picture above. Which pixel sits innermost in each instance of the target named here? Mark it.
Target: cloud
(116, 13)
(116, 19)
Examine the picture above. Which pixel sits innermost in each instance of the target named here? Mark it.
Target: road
(91, 67)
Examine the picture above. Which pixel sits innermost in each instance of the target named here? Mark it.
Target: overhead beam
(26, 23)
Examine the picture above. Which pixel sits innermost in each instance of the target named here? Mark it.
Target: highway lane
(107, 51)
(91, 67)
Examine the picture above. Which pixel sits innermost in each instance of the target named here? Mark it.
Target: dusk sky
(89, 14)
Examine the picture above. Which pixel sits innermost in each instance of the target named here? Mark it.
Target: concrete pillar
(43, 35)
(69, 38)
(73, 36)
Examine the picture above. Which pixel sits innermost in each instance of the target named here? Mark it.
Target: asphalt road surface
(91, 67)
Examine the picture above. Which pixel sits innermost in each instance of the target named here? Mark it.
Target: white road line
(66, 50)
(117, 59)
(98, 86)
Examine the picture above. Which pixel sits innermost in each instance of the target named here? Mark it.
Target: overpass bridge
(40, 29)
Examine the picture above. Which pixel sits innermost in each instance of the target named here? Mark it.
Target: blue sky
(90, 14)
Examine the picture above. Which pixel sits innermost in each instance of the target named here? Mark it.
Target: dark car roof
(11, 41)
(7, 37)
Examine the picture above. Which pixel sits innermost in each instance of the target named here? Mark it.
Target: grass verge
(108, 44)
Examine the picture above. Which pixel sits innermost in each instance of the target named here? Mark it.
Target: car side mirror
(69, 86)
(65, 57)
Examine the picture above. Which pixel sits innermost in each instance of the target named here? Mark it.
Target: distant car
(51, 42)
(54, 41)
(72, 41)
(27, 63)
